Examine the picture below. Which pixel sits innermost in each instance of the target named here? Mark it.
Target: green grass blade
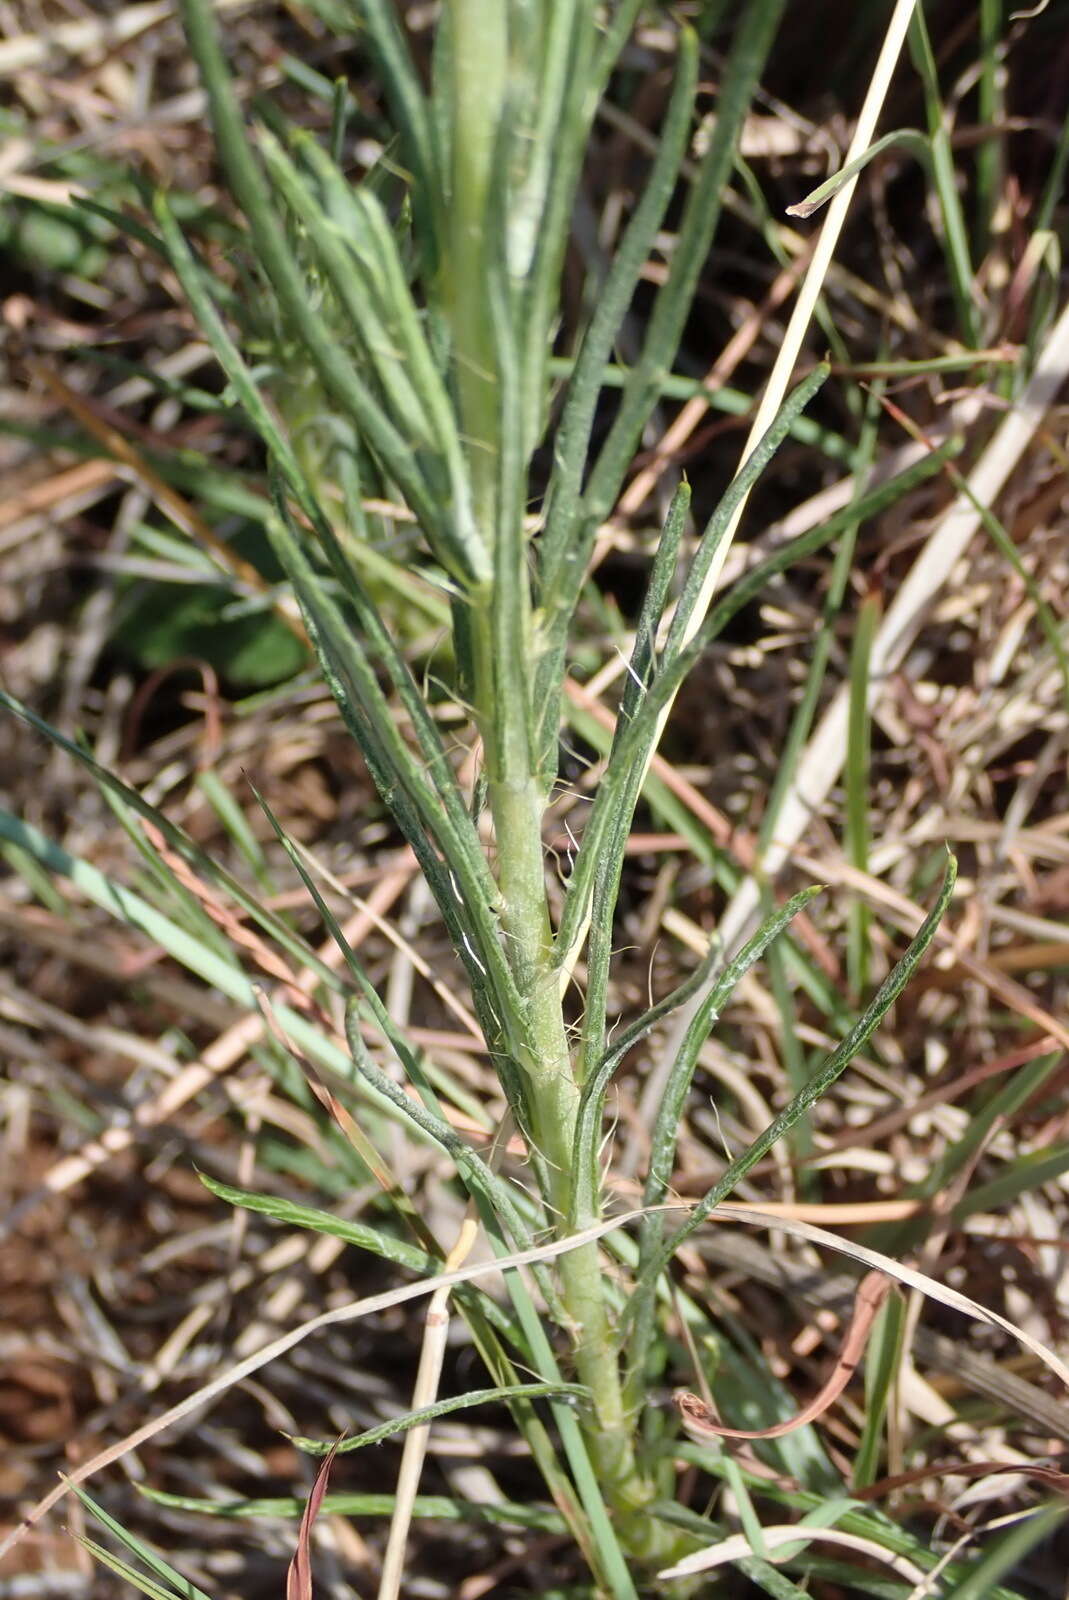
(666, 1128)
(860, 511)
(955, 236)
(1008, 1550)
(135, 912)
(1006, 548)
(1028, 1172)
(617, 24)
(123, 1569)
(883, 1360)
(180, 1588)
(663, 803)
(731, 402)
(806, 709)
(201, 863)
(901, 139)
(236, 825)
(128, 907)
(857, 775)
(991, 115)
(438, 1508)
(997, 1108)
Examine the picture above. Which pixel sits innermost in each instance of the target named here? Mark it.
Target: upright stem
(479, 60)
(502, 672)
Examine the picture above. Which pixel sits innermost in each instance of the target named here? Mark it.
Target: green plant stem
(479, 60)
(499, 615)
(516, 805)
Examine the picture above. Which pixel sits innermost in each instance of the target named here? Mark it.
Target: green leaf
(635, 740)
(754, 33)
(443, 837)
(440, 1408)
(821, 1080)
(201, 863)
(180, 1588)
(411, 117)
(1007, 1551)
(336, 371)
(123, 1569)
(857, 777)
(642, 1306)
(294, 1215)
(479, 1178)
(883, 1361)
(606, 886)
(438, 1508)
(558, 549)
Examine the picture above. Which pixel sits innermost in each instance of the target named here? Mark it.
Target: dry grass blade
(898, 1270)
(428, 1377)
(792, 1538)
(700, 1423)
(299, 1576)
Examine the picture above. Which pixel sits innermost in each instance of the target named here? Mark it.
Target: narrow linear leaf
(643, 1302)
(180, 1586)
(754, 33)
(438, 1508)
(596, 350)
(441, 1408)
(477, 1175)
(295, 1215)
(299, 1576)
(435, 836)
(821, 1081)
(123, 1569)
(621, 782)
(736, 494)
(606, 887)
(902, 138)
(752, 583)
(336, 372)
(199, 861)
